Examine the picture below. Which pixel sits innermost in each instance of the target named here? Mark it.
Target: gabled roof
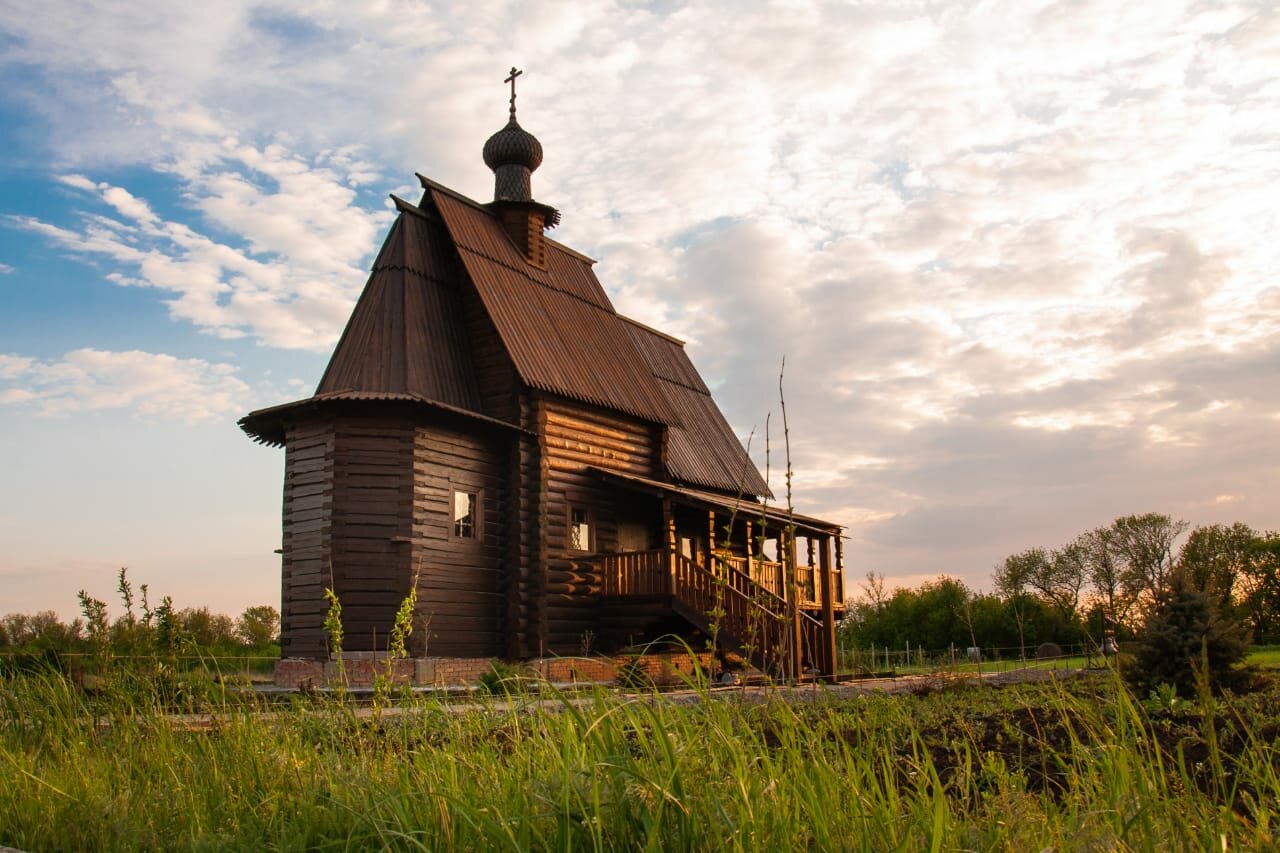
(557, 324)
(407, 340)
(703, 449)
(406, 334)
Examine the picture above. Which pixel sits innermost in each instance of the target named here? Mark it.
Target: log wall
(573, 437)
(525, 545)
(308, 501)
(372, 496)
(462, 582)
(494, 372)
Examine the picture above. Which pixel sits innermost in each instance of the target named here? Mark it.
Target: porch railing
(770, 575)
(728, 602)
(635, 573)
(767, 573)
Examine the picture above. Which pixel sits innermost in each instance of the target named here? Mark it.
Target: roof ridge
(652, 330)
(428, 184)
(568, 251)
(407, 206)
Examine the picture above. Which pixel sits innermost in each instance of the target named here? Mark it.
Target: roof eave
(266, 426)
(746, 504)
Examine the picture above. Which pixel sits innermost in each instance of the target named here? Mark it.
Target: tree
(1259, 588)
(1216, 557)
(1187, 637)
(206, 628)
(873, 589)
(1104, 573)
(39, 631)
(258, 625)
(1143, 546)
(1063, 576)
(1012, 579)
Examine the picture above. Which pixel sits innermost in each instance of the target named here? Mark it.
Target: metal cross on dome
(512, 80)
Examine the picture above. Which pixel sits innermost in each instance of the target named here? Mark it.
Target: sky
(1019, 256)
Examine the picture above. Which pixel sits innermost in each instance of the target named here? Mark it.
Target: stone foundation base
(660, 669)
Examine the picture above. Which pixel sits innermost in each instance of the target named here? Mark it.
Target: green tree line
(1108, 578)
(141, 628)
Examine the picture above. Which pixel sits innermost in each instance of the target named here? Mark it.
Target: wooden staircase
(727, 604)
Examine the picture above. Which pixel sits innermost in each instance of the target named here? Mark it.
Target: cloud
(1017, 255)
(5, 269)
(289, 275)
(146, 384)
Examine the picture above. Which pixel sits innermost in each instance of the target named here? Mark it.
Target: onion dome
(513, 153)
(513, 146)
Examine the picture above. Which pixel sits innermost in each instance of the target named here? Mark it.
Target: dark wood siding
(525, 578)
(494, 372)
(462, 582)
(308, 501)
(372, 496)
(573, 437)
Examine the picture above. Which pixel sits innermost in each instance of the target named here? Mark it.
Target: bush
(502, 679)
(1187, 638)
(1048, 651)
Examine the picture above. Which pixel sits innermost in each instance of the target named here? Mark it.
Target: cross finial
(512, 80)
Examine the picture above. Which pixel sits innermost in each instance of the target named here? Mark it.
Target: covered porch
(761, 581)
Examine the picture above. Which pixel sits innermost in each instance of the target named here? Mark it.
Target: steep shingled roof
(557, 324)
(703, 450)
(406, 334)
(407, 340)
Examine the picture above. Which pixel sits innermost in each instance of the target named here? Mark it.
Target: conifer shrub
(1188, 640)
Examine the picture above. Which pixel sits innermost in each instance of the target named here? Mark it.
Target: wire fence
(868, 660)
(908, 660)
(251, 667)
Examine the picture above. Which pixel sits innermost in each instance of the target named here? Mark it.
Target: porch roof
(747, 505)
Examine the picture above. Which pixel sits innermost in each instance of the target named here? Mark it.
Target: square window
(579, 529)
(464, 515)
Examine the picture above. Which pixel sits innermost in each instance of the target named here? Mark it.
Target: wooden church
(553, 474)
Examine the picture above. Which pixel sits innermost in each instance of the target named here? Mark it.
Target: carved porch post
(828, 654)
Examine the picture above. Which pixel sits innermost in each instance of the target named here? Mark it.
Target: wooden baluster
(809, 585)
(669, 525)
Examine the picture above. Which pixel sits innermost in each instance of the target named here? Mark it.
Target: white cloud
(80, 182)
(1013, 251)
(5, 269)
(294, 283)
(147, 384)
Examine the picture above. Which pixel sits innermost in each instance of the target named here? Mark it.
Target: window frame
(589, 518)
(477, 513)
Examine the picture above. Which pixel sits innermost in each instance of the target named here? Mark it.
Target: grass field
(1265, 656)
(1071, 765)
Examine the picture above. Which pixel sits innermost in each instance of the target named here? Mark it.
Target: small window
(464, 515)
(579, 529)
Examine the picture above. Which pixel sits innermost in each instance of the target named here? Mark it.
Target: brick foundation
(664, 669)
